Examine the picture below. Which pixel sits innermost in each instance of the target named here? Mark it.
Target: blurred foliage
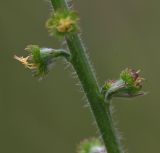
(49, 116)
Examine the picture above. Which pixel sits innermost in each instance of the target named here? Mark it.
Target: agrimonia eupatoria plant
(64, 23)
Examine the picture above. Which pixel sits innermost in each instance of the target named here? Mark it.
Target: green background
(50, 116)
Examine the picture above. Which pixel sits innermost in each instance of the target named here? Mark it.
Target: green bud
(132, 80)
(107, 86)
(91, 146)
(129, 85)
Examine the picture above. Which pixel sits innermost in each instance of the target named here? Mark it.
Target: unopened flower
(107, 86)
(91, 146)
(129, 85)
(62, 22)
(132, 79)
(98, 149)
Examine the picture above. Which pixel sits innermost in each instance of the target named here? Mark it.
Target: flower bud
(91, 146)
(129, 85)
(132, 80)
(98, 149)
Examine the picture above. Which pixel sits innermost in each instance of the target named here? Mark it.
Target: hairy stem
(62, 53)
(89, 83)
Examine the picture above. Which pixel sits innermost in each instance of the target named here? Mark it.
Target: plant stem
(89, 83)
(57, 4)
(62, 53)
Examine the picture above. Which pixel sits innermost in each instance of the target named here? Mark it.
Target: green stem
(88, 80)
(59, 4)
(62, 53)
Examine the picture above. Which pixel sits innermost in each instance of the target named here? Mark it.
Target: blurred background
(49, 116)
